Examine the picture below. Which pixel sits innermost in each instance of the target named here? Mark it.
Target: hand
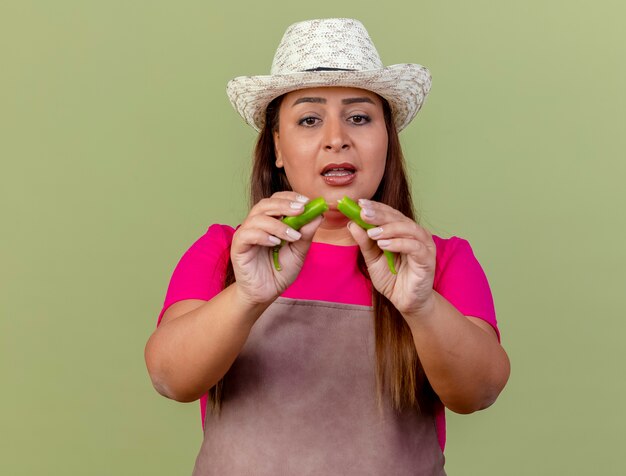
(258, 282)
(411, 290)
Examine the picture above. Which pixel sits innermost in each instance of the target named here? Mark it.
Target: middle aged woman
(333, 365)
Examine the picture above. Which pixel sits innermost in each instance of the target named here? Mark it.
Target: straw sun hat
(330, 52)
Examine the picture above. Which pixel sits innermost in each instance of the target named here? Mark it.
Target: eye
(308, 121)
(359, 119)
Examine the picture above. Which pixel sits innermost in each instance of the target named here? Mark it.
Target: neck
(334, 230)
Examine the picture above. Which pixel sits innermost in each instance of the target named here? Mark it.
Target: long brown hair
(399, 372)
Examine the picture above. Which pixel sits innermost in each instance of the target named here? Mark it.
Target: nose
(336, 137)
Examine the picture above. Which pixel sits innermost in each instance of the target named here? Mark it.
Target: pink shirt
(330, 273)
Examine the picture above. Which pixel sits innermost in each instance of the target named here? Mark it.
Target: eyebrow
(323, 100)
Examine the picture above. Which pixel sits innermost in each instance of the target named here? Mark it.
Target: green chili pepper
(352, 210)
(311, 211)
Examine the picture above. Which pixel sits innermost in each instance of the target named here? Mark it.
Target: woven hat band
(323, 68)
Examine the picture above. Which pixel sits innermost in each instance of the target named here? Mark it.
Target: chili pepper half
(352, 210)
(311, 211)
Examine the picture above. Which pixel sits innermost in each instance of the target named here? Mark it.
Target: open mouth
(339, 175)
(338, 170)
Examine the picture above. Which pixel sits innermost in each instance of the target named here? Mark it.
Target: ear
(277, 153)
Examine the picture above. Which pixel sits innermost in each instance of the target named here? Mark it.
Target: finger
(246, 238)
(291, 195)
(371, 252)
(377, 213)
(301, 246)
(286, 205)
(401, 229)
(272, 226)
(308, 230)
(413, 248)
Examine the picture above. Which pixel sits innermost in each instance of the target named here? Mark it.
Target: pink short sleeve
(461, 280)
(201, 271)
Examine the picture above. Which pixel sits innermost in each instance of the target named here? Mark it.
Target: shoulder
(449, 243)
(449, 248)
(200, 272)
(460, 278)
(211, 247)
(217, 231)
(216, 235)
(456, 261)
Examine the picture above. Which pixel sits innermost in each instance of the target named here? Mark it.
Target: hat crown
(333, 43)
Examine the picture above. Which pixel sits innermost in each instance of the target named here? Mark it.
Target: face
(332, 142)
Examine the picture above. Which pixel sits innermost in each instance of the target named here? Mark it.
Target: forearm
(465, 365)
(189, 354)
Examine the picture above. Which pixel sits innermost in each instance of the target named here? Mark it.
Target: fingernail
(296, 205)
(273, 240)
(374, 232)
(293, 233)
(383, 243)
(368, 212)
(302, 198)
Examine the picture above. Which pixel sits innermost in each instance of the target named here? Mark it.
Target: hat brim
(404, 86)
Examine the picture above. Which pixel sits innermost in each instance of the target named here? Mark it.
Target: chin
(331, 196)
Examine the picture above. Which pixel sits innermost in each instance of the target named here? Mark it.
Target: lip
(343, 165)
(339, 181)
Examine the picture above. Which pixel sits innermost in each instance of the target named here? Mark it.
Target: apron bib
(300, 399)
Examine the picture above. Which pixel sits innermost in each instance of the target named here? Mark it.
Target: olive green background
(118, 148)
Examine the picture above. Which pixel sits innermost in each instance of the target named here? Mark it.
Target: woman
(332, 365)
